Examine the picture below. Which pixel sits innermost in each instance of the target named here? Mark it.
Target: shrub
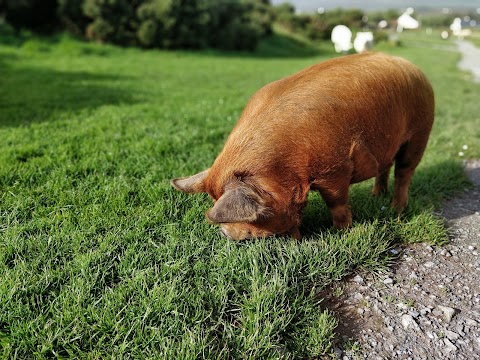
(190, 28)
(380, 36)
(147, 33)
(155, 22)
(238, 25)
(111, 20)
(71, 16)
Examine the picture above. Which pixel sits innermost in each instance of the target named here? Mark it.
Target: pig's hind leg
(406, 161)
(381, 182)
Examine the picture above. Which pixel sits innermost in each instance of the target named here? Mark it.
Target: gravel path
(470, 58)
(428, 305)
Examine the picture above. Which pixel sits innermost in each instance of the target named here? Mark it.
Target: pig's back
(373, 98)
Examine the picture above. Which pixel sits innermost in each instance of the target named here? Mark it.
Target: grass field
(101, 258)
(475, 38)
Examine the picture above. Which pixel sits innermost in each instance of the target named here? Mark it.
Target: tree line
(188, 24)
(170, 24)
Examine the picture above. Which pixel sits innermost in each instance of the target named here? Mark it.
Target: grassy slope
(100, 256)
(475, 38)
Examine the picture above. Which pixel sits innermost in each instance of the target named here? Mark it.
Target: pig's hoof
(342, 217)
(398, 206)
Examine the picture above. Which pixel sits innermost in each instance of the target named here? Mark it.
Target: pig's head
(246, 207)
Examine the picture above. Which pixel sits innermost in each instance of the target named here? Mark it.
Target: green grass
(101, 258)
(475, 38)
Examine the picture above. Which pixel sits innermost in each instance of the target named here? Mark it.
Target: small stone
(360, 311)
(445, 253)
(471, 322)
(451, 335)
(429, 264)
(358, 279)
(358, 296)
(471, 247)
(394, 251)
(426, 322)
(388, 281)
(449, 347)
(425, 311)
(461, 342)
(409, 322)
(338, 353)
(414, 313)
(447, 311)
(413, 275)
(429, 248)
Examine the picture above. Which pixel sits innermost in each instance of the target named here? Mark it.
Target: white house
(406, 21)
(342, 38)
(363, 41)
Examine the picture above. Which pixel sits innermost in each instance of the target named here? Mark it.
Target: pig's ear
(238, 204)
(191, 184)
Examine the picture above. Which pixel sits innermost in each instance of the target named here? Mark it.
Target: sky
(311, 5)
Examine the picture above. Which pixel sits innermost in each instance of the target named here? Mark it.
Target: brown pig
(328, 126)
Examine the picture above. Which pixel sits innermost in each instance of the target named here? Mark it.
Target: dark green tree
(38, 15)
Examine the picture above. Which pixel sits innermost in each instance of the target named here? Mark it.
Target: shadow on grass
(33, 94)
(284, 46)
(431, 185)
(275, 46)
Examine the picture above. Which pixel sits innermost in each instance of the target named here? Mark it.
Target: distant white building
(457, 29)
(363, 41)
(341, 38)
(456, 26)
(406, 21)
(383, 24)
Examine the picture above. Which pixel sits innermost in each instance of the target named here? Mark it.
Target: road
(470, 58)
